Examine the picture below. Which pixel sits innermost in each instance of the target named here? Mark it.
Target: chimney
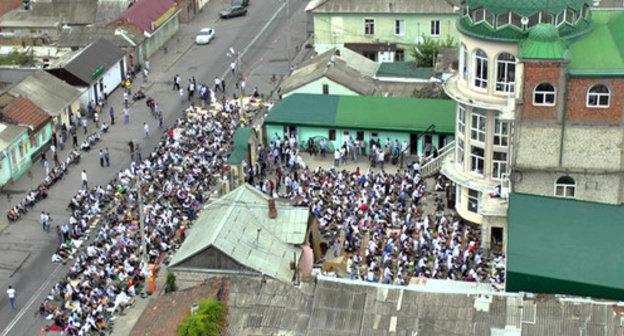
(272, 209)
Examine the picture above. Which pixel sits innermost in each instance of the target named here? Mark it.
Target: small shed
(237, 234)
(244, 154)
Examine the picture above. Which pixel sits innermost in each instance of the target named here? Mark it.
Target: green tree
(208, 320)
(426, 52)
(16, 58)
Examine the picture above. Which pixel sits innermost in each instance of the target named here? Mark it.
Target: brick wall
(534, 74)
(577, 98)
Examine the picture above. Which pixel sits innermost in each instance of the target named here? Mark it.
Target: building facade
(523, 118)
(382, 31)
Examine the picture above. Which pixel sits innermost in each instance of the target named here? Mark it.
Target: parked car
(242, 3)
(233, 11)
(205, 35)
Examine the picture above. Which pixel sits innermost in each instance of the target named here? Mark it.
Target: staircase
(432, 164)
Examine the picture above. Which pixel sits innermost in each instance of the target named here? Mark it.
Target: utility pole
(288, 37)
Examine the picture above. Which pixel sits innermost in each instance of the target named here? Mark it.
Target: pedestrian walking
(176, 83)
(46, 166)
(126, 115)
(233, 67)
(146, 129)
(11, 295)
(147, 65)
(223, 85)
(75, 139)
(107, 157)
(112, 115)
(83, 177)
(217, 82)
(160, 120)
(131, 146)
(59, 236)
(65, 232)
(125, 97)
(145, 74)
(56, 160)
(138, 153)
(181, 96)
(85, 123)
(101, 154)
(44, 221)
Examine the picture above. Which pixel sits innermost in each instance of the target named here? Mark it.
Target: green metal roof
(602, 52)
(565, 246)
(543, 43)
(231, 224)
(240, 148)
(403, 70)
(527, 7)
(364, 112)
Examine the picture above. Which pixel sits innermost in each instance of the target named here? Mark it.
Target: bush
(171, 285)
(426, 52)
(16, 58)
(208, 320)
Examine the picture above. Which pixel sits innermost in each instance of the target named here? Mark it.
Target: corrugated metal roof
(380, 6)
(231, 224)
(79, 37)
(144, 12)
(84, 64)
(71, 12)
(108, 10)
(23, 111)
(46, 91)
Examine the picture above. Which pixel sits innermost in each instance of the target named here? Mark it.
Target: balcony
(465, 96)
(493, 206)
(471, 181)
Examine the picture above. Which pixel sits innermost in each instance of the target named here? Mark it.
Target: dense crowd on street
(174, 181)
(384, 212)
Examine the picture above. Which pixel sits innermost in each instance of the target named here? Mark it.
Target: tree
(208, 320)
(426, 52)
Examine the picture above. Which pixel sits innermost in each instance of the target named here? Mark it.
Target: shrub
(171, 285)
(208, 320)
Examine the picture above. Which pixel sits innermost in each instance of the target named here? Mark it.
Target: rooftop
(143, 13)
(9, 133)
(543, 43)
(403, 70)
(385, 7)
(46, 91)
(80, 37)
(240, 148)
(231, 223)
(608, 39)
(365, 112)
(25, 112)
(565, 246)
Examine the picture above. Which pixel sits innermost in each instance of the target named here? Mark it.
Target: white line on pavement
(32, 300)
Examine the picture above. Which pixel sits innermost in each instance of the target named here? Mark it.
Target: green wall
(305, 132)
(162, 35)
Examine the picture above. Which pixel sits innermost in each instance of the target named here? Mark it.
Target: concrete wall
(316, 87)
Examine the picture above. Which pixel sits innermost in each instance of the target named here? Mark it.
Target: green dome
(543, 43)
(511, 20)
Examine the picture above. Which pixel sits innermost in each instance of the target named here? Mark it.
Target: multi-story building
(540, 94)
(384, 31)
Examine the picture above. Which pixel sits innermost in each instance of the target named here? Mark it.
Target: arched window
(480, 69)
(544, 95)
(598, 96)
(505, 72)
(463, 62)
(565, 187)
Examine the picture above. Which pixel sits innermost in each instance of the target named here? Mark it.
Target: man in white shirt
(11, 295)
(83, 177)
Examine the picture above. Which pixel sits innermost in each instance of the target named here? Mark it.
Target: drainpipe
(563, 120)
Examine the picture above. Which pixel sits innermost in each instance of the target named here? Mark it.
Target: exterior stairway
(432, 164)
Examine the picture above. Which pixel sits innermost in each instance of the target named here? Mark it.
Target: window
(463, 62)
(501, 133)
(477, 159)
(505, 72)
(565, 187)
(516, 20)
(480, 66)
(34, 141)
(332, 135)
(399, 27)
(499, 164)
(503, 19)
(325, 88)
(489, 18)
(399, 55)
(544, 95)
(533, 20)
(435, 28)
(598, 96)
(374, 134)
(477, 15)
(461, 119)
(560, 18)
(371, 55)
(477, 127)
(359, 136)
(570, 16)
(20, 147)
(546, 17)
(460, 152)
(473, 200)
(369, 26)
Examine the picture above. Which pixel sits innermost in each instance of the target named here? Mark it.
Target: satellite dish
(524, 20)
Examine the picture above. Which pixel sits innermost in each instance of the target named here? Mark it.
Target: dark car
(233, 11)
(242, 3)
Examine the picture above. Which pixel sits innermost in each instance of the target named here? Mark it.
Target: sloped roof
(240, 149)
(144, 12)
(364, 112)
(231, 223)
(390, 7)
(601, 52)
(71, 12)
(9, 133)
(108, 10)
(23, 111)
(19, 18)
(403, 70)
(528, 7)
(46, 91)
(9, 5)
(333, 67)
(543, 43)
(79, 37)
(565, 246)
(99, 53)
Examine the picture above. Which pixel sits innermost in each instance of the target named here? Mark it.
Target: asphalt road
(25, 250)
